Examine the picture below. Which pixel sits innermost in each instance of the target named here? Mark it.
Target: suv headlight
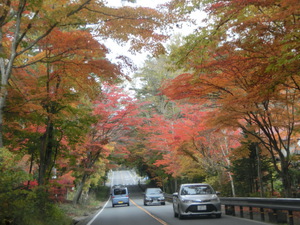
(186, 201)
(216, 199)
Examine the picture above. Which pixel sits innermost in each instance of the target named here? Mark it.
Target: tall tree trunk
(225, 153)
(5, 70)
(259, 175)
(2, 102)
(46, 152)
(79, 189)
(92, 159)
(6, 62)
(231, 184)
(286, 179)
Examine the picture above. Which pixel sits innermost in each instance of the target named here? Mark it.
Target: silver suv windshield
(196, 190)
(153, 191)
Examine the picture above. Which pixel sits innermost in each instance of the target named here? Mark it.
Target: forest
(218, 105)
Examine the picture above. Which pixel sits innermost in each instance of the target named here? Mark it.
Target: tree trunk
(79, 189)
(2, 101)
(225, 153)
(232, 184)
(6, 64)
(286, 179)
(46, 152)
(5, 73)
(259, 175)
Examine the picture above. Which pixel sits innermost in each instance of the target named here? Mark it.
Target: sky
(139, 58)
(145, 3)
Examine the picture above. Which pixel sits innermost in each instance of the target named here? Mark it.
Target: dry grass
(95, 202)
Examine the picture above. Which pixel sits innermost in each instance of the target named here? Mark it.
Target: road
(138, 214)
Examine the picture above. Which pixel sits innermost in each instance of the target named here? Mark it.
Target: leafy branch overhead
(245, 67)
(220, 105)
(52, 66)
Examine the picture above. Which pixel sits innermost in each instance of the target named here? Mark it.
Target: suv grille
(209, 208)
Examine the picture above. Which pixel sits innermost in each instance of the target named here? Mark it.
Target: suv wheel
(180, 216)
(175, 214)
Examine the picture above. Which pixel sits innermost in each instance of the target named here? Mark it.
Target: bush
(20, 206)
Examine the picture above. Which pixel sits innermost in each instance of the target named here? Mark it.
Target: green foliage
(245, 173)
(155, 72)
(20, 205)
(97, 196)
(214, 181)
(101, 192)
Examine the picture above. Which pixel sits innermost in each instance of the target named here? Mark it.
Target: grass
(95, 201)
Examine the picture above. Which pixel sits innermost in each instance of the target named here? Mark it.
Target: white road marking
(92, 220)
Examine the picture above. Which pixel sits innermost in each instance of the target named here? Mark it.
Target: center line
(154, 217)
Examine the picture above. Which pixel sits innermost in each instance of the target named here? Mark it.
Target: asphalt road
(138, 214)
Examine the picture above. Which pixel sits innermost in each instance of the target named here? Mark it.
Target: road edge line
(92, 220)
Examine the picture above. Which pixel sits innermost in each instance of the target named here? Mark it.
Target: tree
(173, 134)
(244, 66)
(23, 24)
(54, 86)
(116, 114)
(252, 170)
(186, 148)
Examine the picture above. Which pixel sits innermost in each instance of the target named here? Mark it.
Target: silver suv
(154, 196)
(196, 199)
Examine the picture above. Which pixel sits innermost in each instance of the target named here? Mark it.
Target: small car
(154, 196)
(196, 199)
(119, 196)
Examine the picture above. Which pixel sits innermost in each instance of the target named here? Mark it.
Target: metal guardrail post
(241, 212)
(233, 210)
(226, 210)
(275, 215)
(291, 218)
(251, 212)
(230, 210)
(262, 214)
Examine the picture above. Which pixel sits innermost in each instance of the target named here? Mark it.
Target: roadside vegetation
(27, 206)
(96, 199)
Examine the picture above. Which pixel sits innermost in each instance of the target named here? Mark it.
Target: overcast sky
(138, 59)
(145, 3)
(116, 50)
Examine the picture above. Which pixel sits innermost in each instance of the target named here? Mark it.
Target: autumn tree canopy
(245, 66)
(24, 24)
(227, 93)
(52, 66)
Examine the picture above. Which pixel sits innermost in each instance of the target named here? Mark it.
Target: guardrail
(279, 210)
